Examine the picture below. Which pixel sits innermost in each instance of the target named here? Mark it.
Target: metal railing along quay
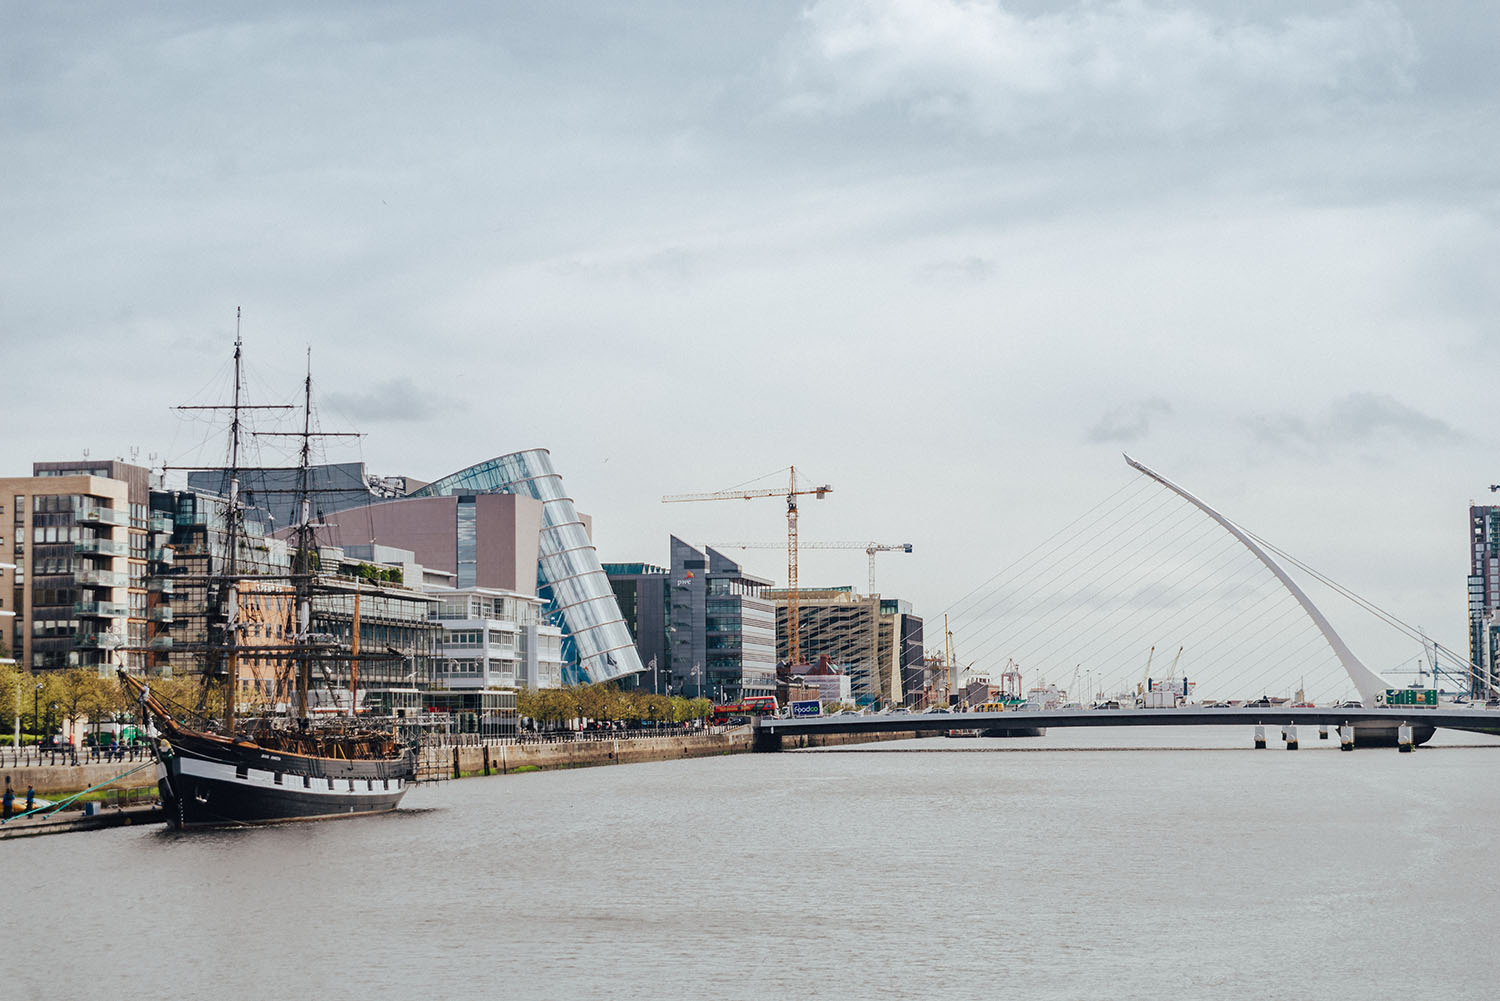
(32, 755)
(564, 736)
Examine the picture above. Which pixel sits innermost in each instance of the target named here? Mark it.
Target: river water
(1184, 866)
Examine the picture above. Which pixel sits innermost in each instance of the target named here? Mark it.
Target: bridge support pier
(1289, 734)
(1260, 738)
(1346, 738)
(761, 741)
(1404, 741)
(1323, 732)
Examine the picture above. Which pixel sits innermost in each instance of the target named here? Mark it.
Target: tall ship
(228, 768)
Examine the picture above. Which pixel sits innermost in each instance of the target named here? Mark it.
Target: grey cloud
(1362, 416)
(397, 400)
(1099, 67)
(1355, 419)
(1130, 422)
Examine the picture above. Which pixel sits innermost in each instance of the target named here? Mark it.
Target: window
(467, 539)
(307, 781)
(277, 778)
(242, 772)
(330, 783)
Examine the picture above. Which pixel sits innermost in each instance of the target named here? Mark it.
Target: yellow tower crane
(870, 548)
(792, 492)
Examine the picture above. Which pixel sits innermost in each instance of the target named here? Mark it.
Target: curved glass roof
(569, 577)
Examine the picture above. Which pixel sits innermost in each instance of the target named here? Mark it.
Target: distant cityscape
(485, 580)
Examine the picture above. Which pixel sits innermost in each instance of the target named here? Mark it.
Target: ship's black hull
(219, 784)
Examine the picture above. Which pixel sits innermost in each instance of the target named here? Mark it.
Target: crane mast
(793, 620)
(794, 649)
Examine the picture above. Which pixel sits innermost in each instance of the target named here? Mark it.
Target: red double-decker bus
(754, 705)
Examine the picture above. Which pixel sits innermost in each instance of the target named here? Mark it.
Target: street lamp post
(35, 699)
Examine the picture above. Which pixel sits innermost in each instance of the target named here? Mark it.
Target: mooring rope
(52, 808)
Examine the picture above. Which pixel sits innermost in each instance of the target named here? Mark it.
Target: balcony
(101, 547)
(101, 578)
(98, 641)
(161, 585)
(101, 609)
(160, 643)
(161, 524)
(104, 516)
(162, 554)
(161, 613)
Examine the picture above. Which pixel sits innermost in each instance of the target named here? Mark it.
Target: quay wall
(840, 739)
(55, 780)
(52, 781)
(502, 759)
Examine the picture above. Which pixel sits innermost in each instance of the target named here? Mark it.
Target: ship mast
(305, 562)
(232, 531)
(234, 516)
(306, 552)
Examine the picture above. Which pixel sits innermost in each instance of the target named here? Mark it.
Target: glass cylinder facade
(570, 580)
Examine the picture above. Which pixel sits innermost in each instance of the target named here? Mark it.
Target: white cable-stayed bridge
(1153, 567)
(1150, 583)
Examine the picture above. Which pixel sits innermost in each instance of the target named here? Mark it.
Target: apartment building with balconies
(77, 536)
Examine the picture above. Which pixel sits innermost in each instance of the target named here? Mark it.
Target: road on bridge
(771, 731)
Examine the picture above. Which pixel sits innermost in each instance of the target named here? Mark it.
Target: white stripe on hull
(254, 777)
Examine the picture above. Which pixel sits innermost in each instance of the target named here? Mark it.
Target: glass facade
(722, 633)
(577, 594)
(467, 536)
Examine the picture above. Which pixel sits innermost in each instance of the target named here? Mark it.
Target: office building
(1484, 598)
(721, 630)
(702, 622)
(876, 640)
(505, 523)
(641, 592)
(496, 639)
(76, 534)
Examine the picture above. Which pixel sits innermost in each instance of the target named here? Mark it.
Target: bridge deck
(1478, 720)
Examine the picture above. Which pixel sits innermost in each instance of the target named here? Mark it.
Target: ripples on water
(916, 869)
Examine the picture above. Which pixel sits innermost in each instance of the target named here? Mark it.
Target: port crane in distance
(791, 493)
(870, 548)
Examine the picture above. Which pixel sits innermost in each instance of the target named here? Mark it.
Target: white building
(832, 688)
(494, 638)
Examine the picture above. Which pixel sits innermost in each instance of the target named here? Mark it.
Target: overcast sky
(950, 257)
